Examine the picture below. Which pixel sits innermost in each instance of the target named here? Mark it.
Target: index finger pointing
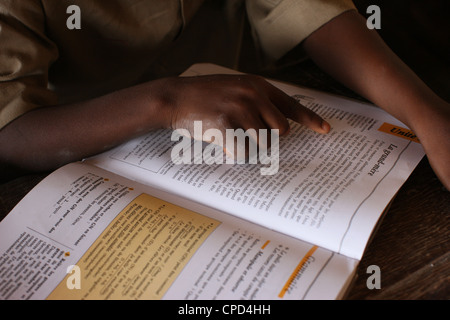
(295, 111)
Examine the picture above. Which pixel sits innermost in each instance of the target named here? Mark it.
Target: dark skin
(49, 137)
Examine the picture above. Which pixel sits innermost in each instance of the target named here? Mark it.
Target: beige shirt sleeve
(25, 57)
(280, 25)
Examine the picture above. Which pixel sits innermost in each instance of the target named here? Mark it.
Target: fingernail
(325, 126)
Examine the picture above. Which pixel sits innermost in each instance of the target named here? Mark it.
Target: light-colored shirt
(125, 42)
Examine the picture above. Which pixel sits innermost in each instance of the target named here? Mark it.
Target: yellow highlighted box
(140, 254)
(398, 132)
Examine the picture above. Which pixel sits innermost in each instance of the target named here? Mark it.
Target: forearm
(357, 57)
(49, 137)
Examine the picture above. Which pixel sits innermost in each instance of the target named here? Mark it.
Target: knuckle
(246, 89)
(244, 96)
(255, 77)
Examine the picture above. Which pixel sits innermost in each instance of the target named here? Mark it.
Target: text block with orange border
(398, 132)
(141, 252)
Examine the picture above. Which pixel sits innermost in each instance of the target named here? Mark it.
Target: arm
(49, 137)
(358, 57)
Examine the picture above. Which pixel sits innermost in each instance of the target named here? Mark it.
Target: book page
(329, 190)
(85, 233)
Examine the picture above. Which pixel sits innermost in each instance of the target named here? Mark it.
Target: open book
(131, 224)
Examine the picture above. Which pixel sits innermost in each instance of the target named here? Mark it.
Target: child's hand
(235, 101)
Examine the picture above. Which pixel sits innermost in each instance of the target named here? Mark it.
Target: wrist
(427, 116)
(155, 103)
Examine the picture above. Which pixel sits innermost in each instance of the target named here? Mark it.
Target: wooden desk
(412, 244)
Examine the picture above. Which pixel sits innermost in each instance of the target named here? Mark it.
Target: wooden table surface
(412, 244)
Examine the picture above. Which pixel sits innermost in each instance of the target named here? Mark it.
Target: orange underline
(265, 244)
(296, 271)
